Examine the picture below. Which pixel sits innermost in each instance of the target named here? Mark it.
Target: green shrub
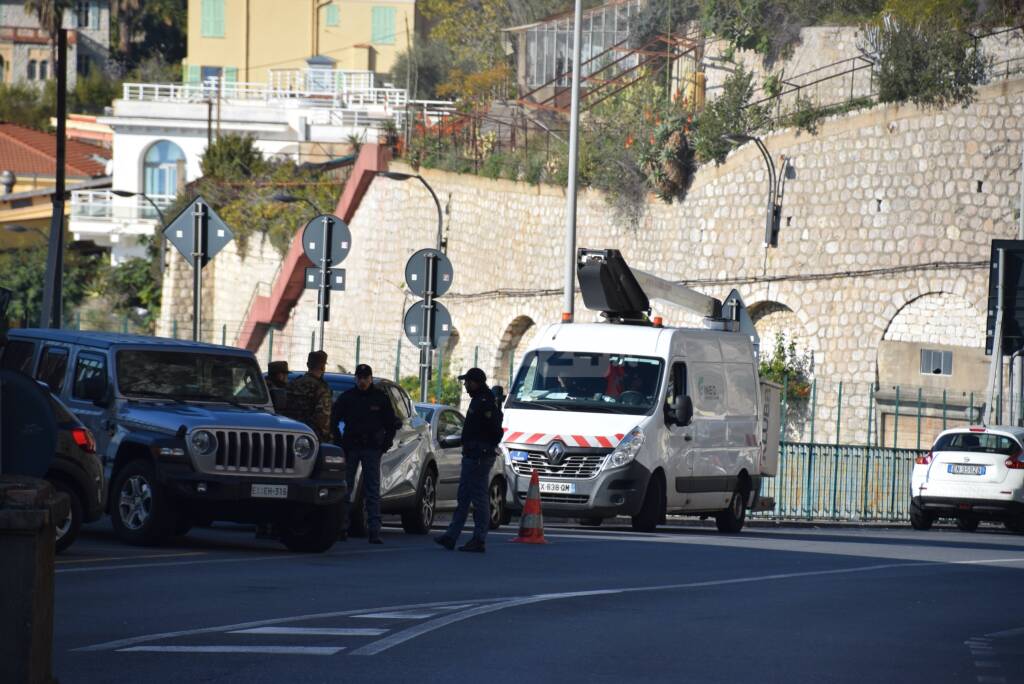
(451, 389)
(729, 114)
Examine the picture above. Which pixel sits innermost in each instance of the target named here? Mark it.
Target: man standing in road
(481, 434)
(309, 397)
(370, 426)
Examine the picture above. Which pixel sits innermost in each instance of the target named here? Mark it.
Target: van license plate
(260, 491)
(558, 487)
(962, 469)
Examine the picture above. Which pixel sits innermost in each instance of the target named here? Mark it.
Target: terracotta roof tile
(29, 152)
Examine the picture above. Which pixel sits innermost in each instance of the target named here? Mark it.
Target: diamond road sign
(414, 324)
(313, 239)
(416, 272)
(181, 232)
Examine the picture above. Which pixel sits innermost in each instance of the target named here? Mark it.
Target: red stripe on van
(514, 436)
(619, 437)
(533, 439)
(581, 440)
(604, 441)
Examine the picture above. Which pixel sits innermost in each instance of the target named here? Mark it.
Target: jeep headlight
(627, 449)
(304, 447)
(202, 442)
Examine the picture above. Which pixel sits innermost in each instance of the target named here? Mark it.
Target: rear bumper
(619, 491)
(986, 509)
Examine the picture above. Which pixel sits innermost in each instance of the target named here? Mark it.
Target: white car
(970, 474)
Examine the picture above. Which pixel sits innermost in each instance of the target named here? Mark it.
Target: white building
(161, 132)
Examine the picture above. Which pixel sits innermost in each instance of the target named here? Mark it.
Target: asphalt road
(779, 604)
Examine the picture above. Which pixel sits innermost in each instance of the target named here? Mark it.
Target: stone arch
(508, 347)
(942, 317)
(447, 349)
(771, 317)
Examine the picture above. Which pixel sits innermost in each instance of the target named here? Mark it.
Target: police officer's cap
(277, 367)
(364, 371)
(316, 359)
(474, 374)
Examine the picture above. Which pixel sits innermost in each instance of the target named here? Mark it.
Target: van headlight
(627, 449)
(202, 442)
(304, 447)
(504, 454)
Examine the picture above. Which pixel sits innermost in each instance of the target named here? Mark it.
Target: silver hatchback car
(446, 421)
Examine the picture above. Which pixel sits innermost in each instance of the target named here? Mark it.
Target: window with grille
(935, 362)
(212, 19)
(382, 26)
(333, 15)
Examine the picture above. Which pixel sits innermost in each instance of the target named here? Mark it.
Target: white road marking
(397, 615)
(267, 650)
(1018, 631)
(313, 631)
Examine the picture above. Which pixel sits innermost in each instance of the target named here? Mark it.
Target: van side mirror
(682, 412)
(451, 441)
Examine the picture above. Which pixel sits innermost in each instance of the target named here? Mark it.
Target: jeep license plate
(262, 491)
(558, 487)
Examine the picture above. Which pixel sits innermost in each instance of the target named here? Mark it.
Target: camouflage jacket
(309, 401)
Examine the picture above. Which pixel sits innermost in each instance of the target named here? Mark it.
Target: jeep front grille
(254, 451)
(580, 466)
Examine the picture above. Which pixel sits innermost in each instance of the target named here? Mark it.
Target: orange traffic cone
(531, 525)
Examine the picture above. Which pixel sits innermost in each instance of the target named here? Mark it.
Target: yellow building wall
(281, 36)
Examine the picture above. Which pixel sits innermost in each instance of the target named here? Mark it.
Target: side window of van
(741, 389)
(53, 367)
(709, 390)
(18, 356)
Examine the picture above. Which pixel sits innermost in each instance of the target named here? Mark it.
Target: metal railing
(840, 482)
(102, 205)
(259, 93)
(319, 80)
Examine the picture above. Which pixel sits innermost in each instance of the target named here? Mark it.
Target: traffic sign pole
(198, 261)
(323, 299)
(427, 333)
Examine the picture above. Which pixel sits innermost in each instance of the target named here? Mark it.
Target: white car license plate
(557, 487)
(262, 491)
(961, 469)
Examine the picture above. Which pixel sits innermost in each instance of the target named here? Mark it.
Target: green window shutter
(192, 74)
(382, 26)
(212, 18)
(230, 74)
(333, 15)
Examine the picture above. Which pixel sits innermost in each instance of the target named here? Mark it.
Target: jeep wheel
(420, 517)
(139, 512)
(315, 530)
(652, 511)
(67, 529)
(496, 495)
(731, 519)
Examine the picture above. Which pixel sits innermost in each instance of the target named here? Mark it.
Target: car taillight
(1015, 461)
(83, 438)
(924, 460)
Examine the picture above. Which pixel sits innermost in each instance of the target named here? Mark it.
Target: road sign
(336, 278)
(181, 232)
(1013, 296)
(416, 272)
(339, 239)
(414, 329)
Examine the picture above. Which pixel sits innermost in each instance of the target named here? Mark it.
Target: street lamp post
(163, 221)
(775, 182)
(426, 364)
(285, 198)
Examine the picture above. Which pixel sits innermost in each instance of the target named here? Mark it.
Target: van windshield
(190, 376)
(587, 381)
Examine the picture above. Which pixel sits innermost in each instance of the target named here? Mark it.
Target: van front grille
(578, 466)
(559, 498)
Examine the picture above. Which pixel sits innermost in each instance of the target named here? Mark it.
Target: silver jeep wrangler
(188, 435)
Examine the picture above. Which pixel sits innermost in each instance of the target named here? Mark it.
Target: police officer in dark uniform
(370, 426)
(481, 435)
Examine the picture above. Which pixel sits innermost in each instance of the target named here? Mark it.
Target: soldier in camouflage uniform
(309, 397)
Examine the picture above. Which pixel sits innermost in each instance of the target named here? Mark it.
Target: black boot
(474, 545)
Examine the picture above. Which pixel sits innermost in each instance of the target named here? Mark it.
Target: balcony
(115, 222)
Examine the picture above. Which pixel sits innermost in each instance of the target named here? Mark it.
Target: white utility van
(629, 418)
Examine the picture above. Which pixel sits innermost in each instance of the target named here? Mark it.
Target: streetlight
(163, 221)
(775, 183)
(398, 176)
(285, 198)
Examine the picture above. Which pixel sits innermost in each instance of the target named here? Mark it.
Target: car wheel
(419, 519)
(919, 519)
(731, 519)
(67, 529)
(591, 522)
(967, 523)
(496, 495)
(652, 511)
(140, 512)
(315, 530)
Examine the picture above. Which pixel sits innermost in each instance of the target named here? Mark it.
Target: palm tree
(50, 14)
